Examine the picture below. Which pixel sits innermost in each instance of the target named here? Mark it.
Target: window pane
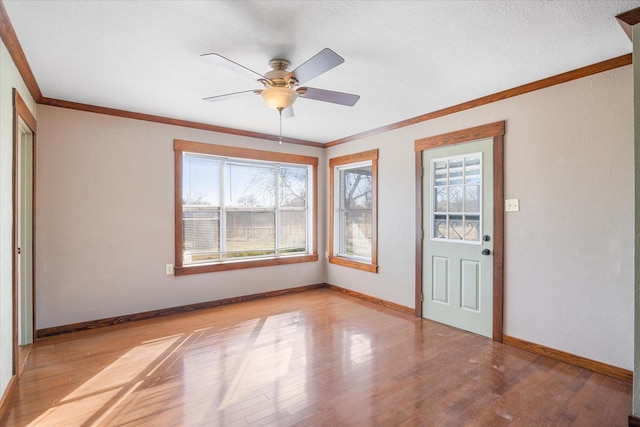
(200, 209)
(356, 201)
(456, 227)
(200, 180)
(356, 187)
(472, 169)
(440, 227)
(472, 228)
(472, 198)
(293, 231)
(455, 198)
(357, 233)
(455, 172)
(293, 186)
(441, 199)
(250, 185)
(440, 173)
(201, 227)
(250, 233)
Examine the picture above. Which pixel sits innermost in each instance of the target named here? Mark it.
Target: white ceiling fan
(282, 87)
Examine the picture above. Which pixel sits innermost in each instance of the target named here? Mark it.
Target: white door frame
(21, 114)
(495, 131)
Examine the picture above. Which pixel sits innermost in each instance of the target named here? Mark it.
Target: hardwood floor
(318, 358)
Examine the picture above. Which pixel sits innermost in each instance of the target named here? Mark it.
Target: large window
(240, 208)
(353, 211)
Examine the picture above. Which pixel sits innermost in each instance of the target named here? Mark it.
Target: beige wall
(9, 79)
(105, 224)
(105, 217)
(569, 251)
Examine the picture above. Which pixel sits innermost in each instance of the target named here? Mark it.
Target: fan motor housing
(279, 70)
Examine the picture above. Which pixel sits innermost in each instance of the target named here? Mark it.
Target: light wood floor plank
(317, 358)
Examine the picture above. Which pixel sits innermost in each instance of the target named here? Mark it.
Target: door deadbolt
(486, 237)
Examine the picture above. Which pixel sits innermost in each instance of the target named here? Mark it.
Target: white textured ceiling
(404, 58)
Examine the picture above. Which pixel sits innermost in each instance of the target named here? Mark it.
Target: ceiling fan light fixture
(279, 98)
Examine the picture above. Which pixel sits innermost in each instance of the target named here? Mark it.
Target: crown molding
(8, 36)
(170, 121)
(628, 19)
(579, 73)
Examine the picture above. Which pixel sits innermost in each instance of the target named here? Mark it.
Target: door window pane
(456, 186)
(441, 199)
(456, 203)
(440, 173)
(472, 198)
(472, 170)
(440, 227)
(472, 227)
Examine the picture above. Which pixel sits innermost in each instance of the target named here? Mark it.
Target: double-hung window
(241, 208)
(353, 211)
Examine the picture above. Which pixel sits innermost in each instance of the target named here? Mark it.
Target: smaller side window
(353, 211)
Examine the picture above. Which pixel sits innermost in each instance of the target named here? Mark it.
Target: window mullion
(342, 215)
(464, 198)
(223, 211)
(277, 216)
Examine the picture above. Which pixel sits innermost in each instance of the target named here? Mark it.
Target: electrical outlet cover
(512, 205)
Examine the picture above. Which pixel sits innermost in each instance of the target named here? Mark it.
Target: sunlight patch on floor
(104, 391)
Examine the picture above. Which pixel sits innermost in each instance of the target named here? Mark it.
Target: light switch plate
(512, 205)
(168, 269)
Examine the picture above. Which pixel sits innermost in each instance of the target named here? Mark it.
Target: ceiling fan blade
(218, 59)
(227, 96)
(341, 98)
(287, 113)
(322, 62)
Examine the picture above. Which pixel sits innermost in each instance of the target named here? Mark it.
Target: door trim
(492, 130)
(21, 112)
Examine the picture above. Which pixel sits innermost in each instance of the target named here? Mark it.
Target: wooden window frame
(181, 146)
(371, 155)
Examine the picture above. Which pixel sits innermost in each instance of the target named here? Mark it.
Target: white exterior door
(458, 229)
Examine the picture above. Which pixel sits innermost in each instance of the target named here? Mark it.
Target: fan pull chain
(280, 136)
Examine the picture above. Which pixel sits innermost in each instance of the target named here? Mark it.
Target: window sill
(240, 265)
(353, 264)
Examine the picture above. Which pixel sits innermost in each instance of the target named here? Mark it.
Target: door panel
(457, 213)
(440, 281)
(470, 285)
